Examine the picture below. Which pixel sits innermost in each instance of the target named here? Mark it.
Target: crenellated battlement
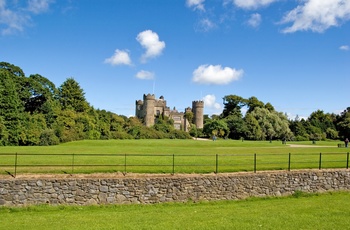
(198, 104)
(149, 97)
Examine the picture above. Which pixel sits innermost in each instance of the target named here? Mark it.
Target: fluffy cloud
(150, 41)
(210, 102)
(252, 4)
(145, 75)
(346, 48)
(215, 74)
(254, 20)
(119, 57)
(196, 4)
(317, 15)
(16, 17)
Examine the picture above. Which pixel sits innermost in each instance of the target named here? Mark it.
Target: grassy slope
(320, 211)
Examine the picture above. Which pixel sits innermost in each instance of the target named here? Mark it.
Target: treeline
(262, 122)
(34, 112)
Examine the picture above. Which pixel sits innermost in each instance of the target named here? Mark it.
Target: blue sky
(294, 54)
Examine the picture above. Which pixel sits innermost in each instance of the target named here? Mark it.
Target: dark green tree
(72, 96)
(11, 111)
(233, 105)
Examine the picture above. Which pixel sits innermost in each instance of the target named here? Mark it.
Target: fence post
(216, 163)
(16, 164)
(72, 163)
(173, 164)
(254, 162)
(320, 162)
(124, 164)
(289, 157)
(347, 160)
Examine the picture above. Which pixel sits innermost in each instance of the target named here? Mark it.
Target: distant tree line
(34, 112)
(262, 122)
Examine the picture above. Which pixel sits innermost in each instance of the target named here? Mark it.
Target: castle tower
(198, 111)
(139, 109)
(148, 108)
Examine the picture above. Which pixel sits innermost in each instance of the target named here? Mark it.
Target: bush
(179, 134)
(301, 138)
(121, 135)
(48, 137)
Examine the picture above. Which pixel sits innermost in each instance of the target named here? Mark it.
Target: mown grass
(301, 211)
(168, 156)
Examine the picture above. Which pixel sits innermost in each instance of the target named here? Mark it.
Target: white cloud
(252, 4)
(150, 41)
(205, 25)
(254, 20)
(145, 75)
(38, 6)
(196, 4)
(345, 48)
(215, 74)
(119, 57)
(16, 17)
(317, 15)
(210, 102)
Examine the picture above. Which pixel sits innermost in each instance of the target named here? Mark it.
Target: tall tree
(233, 105)
(11, 108)
(72, 96)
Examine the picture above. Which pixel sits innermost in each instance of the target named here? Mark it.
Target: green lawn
(168, 156)
(317, 211)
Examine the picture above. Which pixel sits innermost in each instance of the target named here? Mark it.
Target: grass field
(171, 156)
(301, 211)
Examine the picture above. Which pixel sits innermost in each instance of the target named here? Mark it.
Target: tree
(11, 109)
(253, 130)
(71, 96)
(321, 120)
(298, 128)
(42, 91)
(343, 124)
(253, 103)
(236, 126)
(273, 125)
(189, 116)
(216, 127)
(233, 105)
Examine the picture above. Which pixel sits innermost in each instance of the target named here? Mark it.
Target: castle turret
(198, 111)
(139, 109)
(149, 102)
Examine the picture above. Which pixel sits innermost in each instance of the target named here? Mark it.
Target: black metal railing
(14, 163)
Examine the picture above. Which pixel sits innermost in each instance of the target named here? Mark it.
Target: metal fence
(14, 163)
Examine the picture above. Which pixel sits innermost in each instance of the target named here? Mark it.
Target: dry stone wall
(176, 188)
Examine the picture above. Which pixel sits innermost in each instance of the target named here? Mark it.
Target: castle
(151, 108)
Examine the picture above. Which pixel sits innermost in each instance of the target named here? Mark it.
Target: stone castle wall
(168, 188)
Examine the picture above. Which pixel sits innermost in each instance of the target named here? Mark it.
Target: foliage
(35, 112)
(216, 128)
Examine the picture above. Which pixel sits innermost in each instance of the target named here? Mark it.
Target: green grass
(301, 211)
(158, 156)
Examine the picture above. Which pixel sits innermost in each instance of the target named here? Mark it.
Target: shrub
(48, 137)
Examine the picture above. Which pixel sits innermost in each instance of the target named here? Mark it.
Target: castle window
(176, 118)
(158, 112)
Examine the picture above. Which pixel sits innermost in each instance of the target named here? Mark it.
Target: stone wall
(162, 188)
